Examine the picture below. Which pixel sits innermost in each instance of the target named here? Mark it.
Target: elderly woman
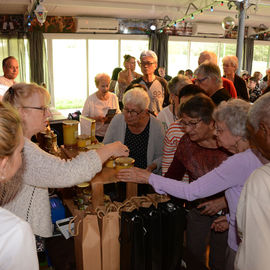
(203, 155)
(126, 76)
(168, 115)
(230, 176)
(42, 170)
(17, 243)
(142, 133)
(176, 129)
(97, 105)
(230, 66)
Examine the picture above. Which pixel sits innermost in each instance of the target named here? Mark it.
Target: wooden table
(106, 176)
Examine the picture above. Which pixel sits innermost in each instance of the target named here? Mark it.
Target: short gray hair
(177, 83)
(137, 96)
(209, 69)
(234, 113)
(149, 53)
(259, 111)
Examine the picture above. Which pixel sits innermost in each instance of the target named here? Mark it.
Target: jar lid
(124, 161)
(83, 185)
(70, 122)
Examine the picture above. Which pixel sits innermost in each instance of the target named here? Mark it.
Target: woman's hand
(213, 206)
(134, 174)
(151, 167)
(220, 224)
(116, 149)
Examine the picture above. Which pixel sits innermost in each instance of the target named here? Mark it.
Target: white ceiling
(143, 9)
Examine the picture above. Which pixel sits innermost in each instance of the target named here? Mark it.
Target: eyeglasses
(132, 112)
(201, 80)
(42, 108)
(144, 64)
(190, 124)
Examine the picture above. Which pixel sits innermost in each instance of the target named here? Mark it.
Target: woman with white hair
(230, 176)
(230, 66)
(141, 132)
(97, 105)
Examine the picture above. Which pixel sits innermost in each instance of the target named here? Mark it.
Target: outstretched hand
(134, 174)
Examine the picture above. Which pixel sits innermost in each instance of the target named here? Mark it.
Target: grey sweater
(42, 171)
(117, 131)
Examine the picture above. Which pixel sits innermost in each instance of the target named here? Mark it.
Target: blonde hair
(10, 127)
(100, 76)
(231, 60)
(20, 92)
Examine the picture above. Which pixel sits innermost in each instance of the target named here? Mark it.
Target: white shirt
(17, 243)
(166, 117)
(5, 84)
(94, 107)
(253, 221)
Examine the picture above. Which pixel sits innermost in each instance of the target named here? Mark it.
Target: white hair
(149, 53)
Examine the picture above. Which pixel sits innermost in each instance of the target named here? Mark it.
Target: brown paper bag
(110, 244)
(87, 241)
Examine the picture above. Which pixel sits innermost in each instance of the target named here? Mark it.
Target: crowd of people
(200, 137)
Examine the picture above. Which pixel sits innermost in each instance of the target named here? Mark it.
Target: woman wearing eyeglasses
(141, 132)
(42, 170)
(232, 134)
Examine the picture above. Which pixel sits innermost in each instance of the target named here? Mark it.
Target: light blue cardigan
(117, 131)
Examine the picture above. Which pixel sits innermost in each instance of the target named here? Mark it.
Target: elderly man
(212, 57)
(157, 88)
(253, 212)
(208, 77)
(11, 71)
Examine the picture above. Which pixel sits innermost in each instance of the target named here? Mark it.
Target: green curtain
(158, 42)
(36, 44)
(248, 54)
(16, 47)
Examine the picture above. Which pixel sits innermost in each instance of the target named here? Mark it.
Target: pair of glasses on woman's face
(131, 112)
(41, 108)
(191, 124)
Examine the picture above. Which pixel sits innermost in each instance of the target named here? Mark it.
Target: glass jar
(124, 163)
(70, 132)
(83, 141)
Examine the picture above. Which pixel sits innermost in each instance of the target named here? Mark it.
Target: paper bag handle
(76, 228)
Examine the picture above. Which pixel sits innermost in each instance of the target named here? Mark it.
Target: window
(133, 48)
(75, 60)
(184, 54)
(178, 57)
(69, 72)
(103, 58)
(261, 56)
(196, 48)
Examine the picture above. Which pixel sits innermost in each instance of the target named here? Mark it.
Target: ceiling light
(153, 27)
